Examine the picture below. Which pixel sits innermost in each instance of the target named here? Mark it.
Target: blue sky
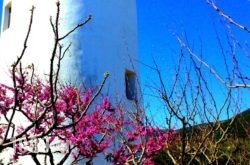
(159, 20)
(158, 23)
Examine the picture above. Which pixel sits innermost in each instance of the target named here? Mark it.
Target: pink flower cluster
(88, 128)
(140, 143)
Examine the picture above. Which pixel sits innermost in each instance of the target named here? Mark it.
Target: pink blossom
(90, 131)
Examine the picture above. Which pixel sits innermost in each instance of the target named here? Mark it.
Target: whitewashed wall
(108, 43)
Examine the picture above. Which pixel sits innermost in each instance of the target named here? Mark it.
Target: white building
(108, 43)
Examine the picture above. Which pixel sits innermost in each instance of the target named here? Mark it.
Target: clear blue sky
(158, 20)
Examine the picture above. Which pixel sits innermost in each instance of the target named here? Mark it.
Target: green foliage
(231, 148)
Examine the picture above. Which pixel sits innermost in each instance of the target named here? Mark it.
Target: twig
(227, 17)
(213, 71)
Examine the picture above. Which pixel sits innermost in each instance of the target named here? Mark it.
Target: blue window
(7, 16)
(130, 81)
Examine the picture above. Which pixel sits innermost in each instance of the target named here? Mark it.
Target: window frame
(130, 85)
(7, 16)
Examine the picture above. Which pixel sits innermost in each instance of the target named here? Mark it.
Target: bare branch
(14, 66)
(76, 27)
(217, 76)
(227, 17)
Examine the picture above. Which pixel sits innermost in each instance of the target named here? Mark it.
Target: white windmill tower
(108, 43)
